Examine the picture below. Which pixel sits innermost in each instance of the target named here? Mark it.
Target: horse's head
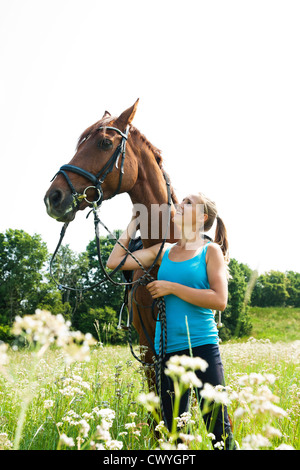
(98, 170)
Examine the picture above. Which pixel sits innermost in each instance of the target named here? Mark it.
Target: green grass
(275, 323)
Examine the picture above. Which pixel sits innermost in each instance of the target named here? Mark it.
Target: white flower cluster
(74, 385)
(149, 400)
(46, 329)
(3, 354)
(216, 394)
(5, 443)
(103, 433)
(102, 438)
(256, 396)
(183, 368)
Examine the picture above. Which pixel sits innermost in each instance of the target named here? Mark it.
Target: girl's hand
(160, 288)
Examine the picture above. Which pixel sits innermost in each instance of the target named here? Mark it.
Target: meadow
(64, 390)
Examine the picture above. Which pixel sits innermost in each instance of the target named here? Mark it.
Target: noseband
(98, 179)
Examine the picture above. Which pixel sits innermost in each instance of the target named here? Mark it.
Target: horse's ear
(127, 116)
(106, 114)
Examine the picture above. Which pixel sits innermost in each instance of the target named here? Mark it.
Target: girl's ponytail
(221, 238)
(211, 210)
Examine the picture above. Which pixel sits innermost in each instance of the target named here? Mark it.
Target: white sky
(218, 83)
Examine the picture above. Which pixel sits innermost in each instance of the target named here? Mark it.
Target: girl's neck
(191, 240)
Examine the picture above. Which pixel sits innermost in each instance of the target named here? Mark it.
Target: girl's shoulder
(213, 249)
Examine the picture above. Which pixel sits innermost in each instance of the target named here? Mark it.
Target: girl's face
(190, 213)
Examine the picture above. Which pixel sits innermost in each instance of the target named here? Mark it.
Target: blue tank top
(202, 328)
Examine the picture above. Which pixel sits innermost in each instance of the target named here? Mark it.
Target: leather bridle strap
(99, 178)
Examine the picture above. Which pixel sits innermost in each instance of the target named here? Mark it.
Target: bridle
(98, 179)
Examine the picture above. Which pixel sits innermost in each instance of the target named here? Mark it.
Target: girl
(192, 277)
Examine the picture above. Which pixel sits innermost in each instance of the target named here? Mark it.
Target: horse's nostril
(55, 198)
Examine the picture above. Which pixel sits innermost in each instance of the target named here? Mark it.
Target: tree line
(26, 285)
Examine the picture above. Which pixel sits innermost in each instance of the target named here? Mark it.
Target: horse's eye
(105, 144)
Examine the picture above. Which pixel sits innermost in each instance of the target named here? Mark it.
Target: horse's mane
(106, 120)
(158, 157)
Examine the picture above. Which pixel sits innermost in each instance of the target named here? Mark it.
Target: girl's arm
(214, 298)
(146, 256)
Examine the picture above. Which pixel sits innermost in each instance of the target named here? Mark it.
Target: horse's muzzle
(60, 206)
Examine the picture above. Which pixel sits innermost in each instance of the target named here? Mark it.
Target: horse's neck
(150, 197)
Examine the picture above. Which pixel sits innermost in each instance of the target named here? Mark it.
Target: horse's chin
(68, 216)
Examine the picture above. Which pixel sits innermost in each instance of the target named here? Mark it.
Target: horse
(100, 159)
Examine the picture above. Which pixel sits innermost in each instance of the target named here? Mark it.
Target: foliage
(22, 259)
(293, 288)
(235, 317)
(270, 290)
(101, 322)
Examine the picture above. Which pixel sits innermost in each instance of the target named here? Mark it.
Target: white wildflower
(270, 431)
(219, 445)
(107, 414)
(190, 378)
(183, 419)
(215, 394)
(46, 329)
(239, 412)
(114, 445)
(188, 363)
(5, 443)
(84, 427)
(99, 446)
(255, 441)
(182, 447)
(107, 417)
(187, 438)
(161, 427)
(67, 441)
(284, 447)
(48, 404)
(149, 400)
(102, 433)
(130, 425)
(3, 354)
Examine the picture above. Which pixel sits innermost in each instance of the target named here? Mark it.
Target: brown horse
(140, 174)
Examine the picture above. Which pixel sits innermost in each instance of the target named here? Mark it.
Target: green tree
(106, 293)
(271, 290)
(235, 317)
(293, 288)
(103, 302)
(247, 272)
(22, 259)
(69, 269)
(103, 324)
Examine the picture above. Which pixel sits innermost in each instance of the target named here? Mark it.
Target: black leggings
(216, 421)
